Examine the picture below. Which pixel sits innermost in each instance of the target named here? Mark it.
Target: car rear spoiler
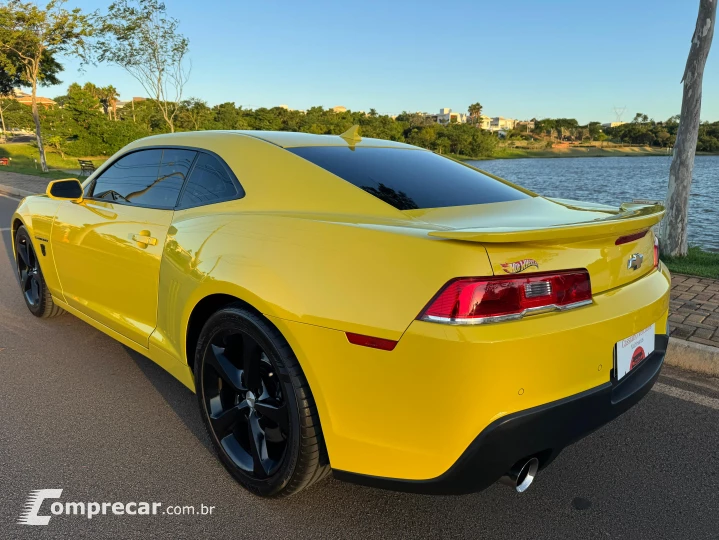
(628, 218)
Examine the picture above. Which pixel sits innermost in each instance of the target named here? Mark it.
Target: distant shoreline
(574, 152)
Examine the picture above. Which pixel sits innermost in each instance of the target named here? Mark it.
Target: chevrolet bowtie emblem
(635, 261)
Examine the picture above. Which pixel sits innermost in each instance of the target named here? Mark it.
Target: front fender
(37, 214)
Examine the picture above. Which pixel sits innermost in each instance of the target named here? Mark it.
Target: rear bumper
(540, 431)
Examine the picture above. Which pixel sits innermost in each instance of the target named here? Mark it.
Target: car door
(108, 248)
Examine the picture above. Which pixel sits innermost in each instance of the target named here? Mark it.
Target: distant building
(26, 99)
(446, 116)
(121, 104)
(339, 109)
(613, 124)
(500, 123)
(524, 125)
(485, 122)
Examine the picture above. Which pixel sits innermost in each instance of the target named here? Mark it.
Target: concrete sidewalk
(22, 184)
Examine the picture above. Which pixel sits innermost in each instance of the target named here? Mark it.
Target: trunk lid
(540, 234)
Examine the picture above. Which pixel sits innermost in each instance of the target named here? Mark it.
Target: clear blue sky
(521, 58)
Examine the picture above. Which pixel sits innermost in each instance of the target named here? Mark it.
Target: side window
(129, 178)
(147, 178)
(175, 165)
(209, 183)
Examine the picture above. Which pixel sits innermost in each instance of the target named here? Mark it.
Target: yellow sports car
(356, 305)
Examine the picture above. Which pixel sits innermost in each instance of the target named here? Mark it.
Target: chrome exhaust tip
(521, 475)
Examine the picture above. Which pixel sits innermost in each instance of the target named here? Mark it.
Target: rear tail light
(493, 299)
(656, 252)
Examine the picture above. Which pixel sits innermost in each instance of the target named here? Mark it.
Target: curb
(693, 357)
(16, 192)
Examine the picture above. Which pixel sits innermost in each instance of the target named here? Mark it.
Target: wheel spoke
(224, 368)
(25, 278)
(274, 411)
(251, 353)
(35, 287)
(22, 251)
(32, 259)
(258, 447)
(224, 422)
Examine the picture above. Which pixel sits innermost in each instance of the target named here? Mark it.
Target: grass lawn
(697, 263)
(23, 155)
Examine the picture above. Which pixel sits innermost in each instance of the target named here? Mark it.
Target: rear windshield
(409, 179)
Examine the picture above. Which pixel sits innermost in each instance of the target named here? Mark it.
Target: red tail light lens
(498, 298)
(656, 252)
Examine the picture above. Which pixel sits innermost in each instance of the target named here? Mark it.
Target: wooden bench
(86, 167)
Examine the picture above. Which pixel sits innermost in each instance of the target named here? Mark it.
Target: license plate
(634, 349)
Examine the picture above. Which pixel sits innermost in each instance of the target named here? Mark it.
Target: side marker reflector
(369, 341)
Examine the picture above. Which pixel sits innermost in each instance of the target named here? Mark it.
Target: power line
(619, 111)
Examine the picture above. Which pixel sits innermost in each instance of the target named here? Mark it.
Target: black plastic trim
(541, 432)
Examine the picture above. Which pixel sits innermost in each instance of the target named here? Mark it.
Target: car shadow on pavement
(7, 242)
(175, 394)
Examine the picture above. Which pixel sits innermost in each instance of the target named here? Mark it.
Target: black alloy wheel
(244, 400)
(252, 394)
(28, 269)
(32, 284)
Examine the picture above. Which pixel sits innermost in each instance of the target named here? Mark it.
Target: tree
(674, 226)
(30, 36)
(56, 142)
(108, 96)
(195, 113)
(13, 78)
(475, 112)
(138, 36)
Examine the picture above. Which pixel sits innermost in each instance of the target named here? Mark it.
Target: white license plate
(634, 349)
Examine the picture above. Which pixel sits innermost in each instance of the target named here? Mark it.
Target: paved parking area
(81, 413)
(695, 309)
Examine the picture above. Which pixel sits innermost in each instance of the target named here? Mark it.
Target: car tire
(269, 454)
(32, 283)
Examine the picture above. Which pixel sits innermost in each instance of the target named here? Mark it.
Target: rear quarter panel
(369, 279)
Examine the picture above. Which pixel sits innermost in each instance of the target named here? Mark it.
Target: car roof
(294, 139)
(284, 139)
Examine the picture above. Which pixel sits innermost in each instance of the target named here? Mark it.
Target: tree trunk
(674, 227)
(38, 136)
(2, 120)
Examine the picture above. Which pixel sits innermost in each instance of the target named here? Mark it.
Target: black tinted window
(145, 178)
(175, 165)
(409, 179)
(209, 182)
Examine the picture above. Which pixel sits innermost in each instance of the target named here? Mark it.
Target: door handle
(144, 239)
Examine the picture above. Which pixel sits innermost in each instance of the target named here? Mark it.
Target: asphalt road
(80, 412)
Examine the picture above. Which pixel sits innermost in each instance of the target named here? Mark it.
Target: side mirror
(67, 189)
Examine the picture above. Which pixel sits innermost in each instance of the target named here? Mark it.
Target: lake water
(614, 180)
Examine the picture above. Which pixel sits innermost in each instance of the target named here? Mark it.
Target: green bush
(104, 138)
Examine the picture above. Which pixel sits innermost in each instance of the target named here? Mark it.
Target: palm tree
(475, 112)
(108, 97)
(112, 96)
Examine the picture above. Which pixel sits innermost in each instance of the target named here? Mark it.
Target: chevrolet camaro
(355, 305)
